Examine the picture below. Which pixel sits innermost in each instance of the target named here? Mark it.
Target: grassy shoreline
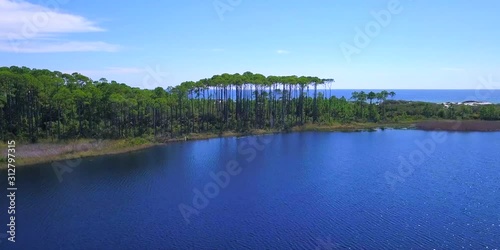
(58, 151)
(73, 149)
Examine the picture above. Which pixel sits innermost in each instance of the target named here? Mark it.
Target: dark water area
(392, 189)
(482, 93)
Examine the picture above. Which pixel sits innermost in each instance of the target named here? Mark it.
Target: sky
(364, 44)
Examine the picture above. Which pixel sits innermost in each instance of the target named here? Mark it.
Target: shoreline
(459, 126)
(49, 152)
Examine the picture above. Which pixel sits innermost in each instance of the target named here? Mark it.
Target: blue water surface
(392, 189)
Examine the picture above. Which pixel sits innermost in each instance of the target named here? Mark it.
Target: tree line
(38, 103)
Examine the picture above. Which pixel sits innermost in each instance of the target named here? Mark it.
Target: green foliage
(489, 112)
(41, 104)
(136, 141)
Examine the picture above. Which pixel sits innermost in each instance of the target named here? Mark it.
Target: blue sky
(411, 44)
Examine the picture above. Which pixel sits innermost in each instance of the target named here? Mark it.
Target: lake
(392, 189)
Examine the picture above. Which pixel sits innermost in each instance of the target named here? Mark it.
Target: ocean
(424, 95)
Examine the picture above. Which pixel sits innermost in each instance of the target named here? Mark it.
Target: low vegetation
(40, 104)
(60, 109)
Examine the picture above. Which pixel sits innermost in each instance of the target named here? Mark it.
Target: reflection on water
(297, 191)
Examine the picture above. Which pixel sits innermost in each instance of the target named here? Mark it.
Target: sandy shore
(30, 154)
(46, 152)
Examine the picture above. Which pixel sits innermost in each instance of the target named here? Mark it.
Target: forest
(42, 104)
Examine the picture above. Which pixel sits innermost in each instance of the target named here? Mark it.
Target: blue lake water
(392, 189)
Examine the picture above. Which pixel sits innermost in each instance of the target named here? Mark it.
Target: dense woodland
(41, 104)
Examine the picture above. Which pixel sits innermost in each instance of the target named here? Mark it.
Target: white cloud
(280, 51)
(25, 27)
(452, 69)
(124, 70)
(58, 46)
(111, 71)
